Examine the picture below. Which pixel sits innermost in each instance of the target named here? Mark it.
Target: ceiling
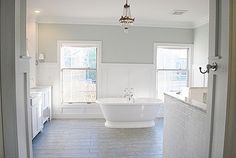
(146, 12)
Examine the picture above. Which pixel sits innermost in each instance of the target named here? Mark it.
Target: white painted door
(218, 80)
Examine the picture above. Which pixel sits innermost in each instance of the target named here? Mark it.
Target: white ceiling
(107, 12)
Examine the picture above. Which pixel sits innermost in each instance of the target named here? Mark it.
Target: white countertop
(193, 103)
(38, 90)
(34, 95)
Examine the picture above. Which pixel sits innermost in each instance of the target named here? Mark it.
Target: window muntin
(172, 69)
(78, 73)
(78, 57)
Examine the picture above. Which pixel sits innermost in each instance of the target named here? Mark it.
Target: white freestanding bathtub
(121, 113)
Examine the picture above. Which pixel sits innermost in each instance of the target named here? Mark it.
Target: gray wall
(117, 47)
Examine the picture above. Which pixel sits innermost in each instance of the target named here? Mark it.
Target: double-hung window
(172, 69)
(78, 66)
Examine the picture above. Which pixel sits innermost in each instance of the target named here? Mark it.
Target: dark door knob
(209, 67)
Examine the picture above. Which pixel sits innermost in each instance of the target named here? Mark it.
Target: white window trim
(174, 45)
(97, 44)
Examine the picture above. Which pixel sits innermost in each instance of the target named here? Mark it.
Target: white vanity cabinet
(47, 106)
(185, 128)
(41, 107)
(37, 120)
(46, 101)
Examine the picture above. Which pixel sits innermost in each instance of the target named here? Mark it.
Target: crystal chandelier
(126, 20)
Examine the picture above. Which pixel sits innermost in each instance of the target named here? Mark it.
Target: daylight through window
(78, 73)
(172, 69)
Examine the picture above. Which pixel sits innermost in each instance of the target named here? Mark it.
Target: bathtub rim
(153, 101)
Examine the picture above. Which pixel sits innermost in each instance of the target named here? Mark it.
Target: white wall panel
(32, 48)
(114, 78)
(200, 57)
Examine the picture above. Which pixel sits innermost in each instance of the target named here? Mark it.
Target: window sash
(175, 47)
(187, 70)
(176, 70)
(170, 70)
(73, 57)
(62, 84)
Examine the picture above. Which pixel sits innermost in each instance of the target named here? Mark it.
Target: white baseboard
(78, 116)
(84, 116)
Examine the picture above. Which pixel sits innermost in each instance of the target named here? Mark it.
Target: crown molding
(202, 21)
(143, 23)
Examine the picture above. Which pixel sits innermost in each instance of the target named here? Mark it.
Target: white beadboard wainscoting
(112, 80)
(116, 77)
(185, 130)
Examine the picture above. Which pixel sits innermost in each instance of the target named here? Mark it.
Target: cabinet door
(39, 118)
(46, 106)
(46, 99)
(43, 101)
(34, 121)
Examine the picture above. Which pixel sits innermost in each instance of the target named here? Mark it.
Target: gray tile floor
(90, 139)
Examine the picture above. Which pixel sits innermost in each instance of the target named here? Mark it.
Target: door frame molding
(218, 103)
(8, 81)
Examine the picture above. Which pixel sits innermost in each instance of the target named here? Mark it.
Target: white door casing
(22, 69)
(14, 80)
(218, 80)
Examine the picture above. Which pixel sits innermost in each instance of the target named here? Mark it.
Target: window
(172, 69)
(78, 65)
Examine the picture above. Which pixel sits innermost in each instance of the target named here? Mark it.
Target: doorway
(217, 111)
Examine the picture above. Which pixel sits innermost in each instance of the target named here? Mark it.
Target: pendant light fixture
(126, 19)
